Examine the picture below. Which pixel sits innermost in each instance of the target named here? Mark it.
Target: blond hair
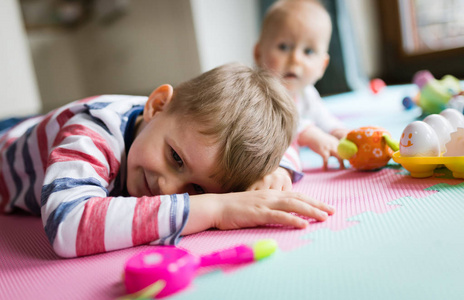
(283, 9)
(248, 112)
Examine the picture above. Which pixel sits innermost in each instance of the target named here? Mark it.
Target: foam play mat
(392, 237)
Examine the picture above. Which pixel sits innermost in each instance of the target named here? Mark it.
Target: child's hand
(322, 143)
(279, 180)
(253, 208)
(340, 133)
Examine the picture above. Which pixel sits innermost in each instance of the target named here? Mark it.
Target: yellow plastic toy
(421, 167)
(421, 150)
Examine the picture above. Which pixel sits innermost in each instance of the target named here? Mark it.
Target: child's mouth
(290, 76)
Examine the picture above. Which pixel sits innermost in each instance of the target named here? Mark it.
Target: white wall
(151, 44)
(155, 42)
(363, 17)
(19, 95)
(226, 31)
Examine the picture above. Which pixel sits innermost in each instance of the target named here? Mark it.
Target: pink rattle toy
(165, 270)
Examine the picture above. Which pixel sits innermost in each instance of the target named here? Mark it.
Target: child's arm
(251, 209)
(79, 215)
(320, 142)
(81, 219)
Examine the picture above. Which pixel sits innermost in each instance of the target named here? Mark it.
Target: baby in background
(293, 45)
(113, 171)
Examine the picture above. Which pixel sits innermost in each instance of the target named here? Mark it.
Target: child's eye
(177, 158)
(198, 189)
(283, 47)
(308, 51)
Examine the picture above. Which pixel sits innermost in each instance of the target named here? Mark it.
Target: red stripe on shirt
(98, 141)
(63, 154)
(91, 232)
(4, 193)
(294, 160)
(64, 116)
(145, 221)
(42, 141)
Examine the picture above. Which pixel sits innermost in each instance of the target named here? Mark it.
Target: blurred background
(56, 51)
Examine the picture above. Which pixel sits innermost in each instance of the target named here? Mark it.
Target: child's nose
(172, 185)
(295, 56)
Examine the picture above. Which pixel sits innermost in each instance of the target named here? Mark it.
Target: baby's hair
(282, 9)
(248, 112)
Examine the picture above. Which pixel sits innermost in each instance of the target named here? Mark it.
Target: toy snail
(367, 148)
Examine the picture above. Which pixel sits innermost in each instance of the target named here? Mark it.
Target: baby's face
(296, 50)
(170, 156)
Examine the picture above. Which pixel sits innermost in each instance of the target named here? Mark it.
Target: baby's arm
(320, 142)
(251, 209)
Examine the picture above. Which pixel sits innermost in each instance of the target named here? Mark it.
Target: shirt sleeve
(291, 161)
(79, 216)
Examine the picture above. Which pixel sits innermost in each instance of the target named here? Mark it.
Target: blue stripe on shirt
(59, 215)
(185, 215)
(172, 216)
(97, 105)
(66, 183)
(100, 123)
(10, 156)
(30, 199)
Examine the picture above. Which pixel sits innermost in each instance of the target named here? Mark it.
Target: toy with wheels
(434, 95)
(367, 148)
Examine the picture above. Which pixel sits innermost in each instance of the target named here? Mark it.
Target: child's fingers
(282, 184)
(304, 206)
(325, 160)
(342, 164)
(315, 203)
(286, 219)
(287, 186)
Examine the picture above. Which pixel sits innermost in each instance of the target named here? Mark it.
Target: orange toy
(367, 148)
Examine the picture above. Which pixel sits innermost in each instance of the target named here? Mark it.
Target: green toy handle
(393, 144)
(346, 148)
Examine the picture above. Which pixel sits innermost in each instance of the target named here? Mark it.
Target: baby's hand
(256, 208)
(322, 143)
(340, 133)
(279, 180)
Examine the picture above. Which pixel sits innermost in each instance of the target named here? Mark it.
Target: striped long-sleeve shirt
(69, 167)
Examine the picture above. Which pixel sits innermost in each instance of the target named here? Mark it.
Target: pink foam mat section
(351, 192)
(30, 269)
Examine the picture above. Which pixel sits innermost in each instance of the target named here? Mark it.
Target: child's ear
(157, 101)
(326, 61)
(257, 54)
